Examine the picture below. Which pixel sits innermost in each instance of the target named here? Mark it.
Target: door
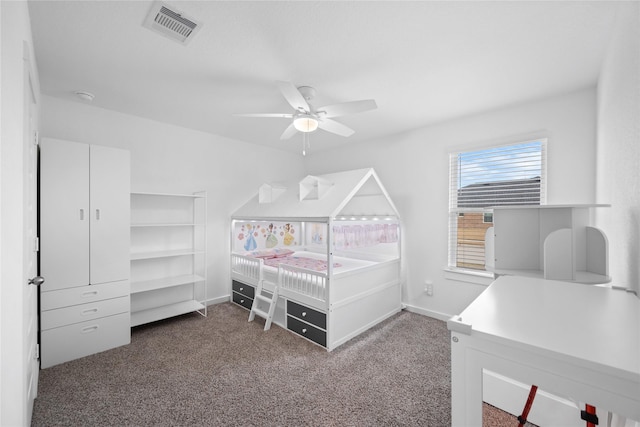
(64, 214)
(110, 214)
(31, 282)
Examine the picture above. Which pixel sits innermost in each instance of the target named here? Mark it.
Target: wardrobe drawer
(301, 328)
(242, 300)
(83, 294)
(307, 314)
(243, 289)
(80, 313)
(82, 339)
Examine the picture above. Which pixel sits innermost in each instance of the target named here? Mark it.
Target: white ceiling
(422, 61)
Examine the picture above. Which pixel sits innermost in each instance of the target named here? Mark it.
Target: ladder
(267, 315)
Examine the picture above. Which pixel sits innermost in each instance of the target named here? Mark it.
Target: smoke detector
(171, 23)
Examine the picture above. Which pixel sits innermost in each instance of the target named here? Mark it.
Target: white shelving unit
(168, 255)
(547, 241)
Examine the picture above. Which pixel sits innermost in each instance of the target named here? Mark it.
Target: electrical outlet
(428, 288)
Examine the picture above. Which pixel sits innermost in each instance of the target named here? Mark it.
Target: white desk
(572, 340)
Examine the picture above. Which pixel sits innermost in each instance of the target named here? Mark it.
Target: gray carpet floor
(223, 371)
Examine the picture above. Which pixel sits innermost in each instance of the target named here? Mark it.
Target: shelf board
(195, 196)
(185, 224)
(578, 206)
(589, 278)
(165, 311)
(580, 276)
(164, 254)
(165, 282)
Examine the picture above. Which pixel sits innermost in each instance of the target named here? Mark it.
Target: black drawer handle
(304, 330)
(241, 301)
(304, 313)
(242, 289)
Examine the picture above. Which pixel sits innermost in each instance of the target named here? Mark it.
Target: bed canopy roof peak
(268, 193)
(313, 188)
(349, 193)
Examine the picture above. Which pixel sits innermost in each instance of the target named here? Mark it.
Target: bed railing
(246, 268)
(309, 283)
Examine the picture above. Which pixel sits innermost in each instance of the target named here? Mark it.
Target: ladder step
(260, 313)
(263, 298)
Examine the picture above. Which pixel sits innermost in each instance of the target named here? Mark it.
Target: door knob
(38, 280)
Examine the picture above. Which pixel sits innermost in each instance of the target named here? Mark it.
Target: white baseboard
(429, 313)
(218, 300)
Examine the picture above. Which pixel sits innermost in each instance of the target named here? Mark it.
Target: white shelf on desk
(553, 242)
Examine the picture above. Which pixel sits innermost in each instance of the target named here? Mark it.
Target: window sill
(484, 278)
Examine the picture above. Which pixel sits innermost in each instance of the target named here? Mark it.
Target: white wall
(15, 29)
(171, 159)
(618, 147)
(413, 166)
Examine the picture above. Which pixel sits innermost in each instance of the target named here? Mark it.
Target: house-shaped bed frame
(346, 223)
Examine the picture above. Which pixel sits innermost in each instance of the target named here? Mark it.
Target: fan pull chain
(305, 143)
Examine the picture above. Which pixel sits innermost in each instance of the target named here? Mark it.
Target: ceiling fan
(306, 118)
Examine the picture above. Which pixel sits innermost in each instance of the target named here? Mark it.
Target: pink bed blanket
(300, 261)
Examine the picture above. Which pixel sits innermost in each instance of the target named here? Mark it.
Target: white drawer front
(81, 313)
(82, 339)
(83, 294)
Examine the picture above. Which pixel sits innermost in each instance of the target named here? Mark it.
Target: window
(498, 176)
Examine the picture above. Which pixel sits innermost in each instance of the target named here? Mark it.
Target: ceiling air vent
(171, 23)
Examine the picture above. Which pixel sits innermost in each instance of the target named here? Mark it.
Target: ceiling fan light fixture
(305, 123)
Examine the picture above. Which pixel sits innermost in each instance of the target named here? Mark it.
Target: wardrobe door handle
(97, 214)
(81, 214)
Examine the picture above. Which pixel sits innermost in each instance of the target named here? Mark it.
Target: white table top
(596, 327)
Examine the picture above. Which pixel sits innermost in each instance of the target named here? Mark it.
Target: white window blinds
(498, 176)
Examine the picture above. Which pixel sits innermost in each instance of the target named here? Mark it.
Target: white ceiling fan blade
(293, 96)
(282, 115)
(335, 127)
(347, 108)
(288, 132)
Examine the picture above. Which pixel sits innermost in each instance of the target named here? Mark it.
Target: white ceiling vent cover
(171, 23)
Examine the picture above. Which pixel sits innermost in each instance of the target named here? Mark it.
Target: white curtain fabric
(362, 236)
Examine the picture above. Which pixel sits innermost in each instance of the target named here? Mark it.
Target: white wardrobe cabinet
(84, 248)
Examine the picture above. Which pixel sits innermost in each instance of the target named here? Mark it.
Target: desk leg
(466, 383)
